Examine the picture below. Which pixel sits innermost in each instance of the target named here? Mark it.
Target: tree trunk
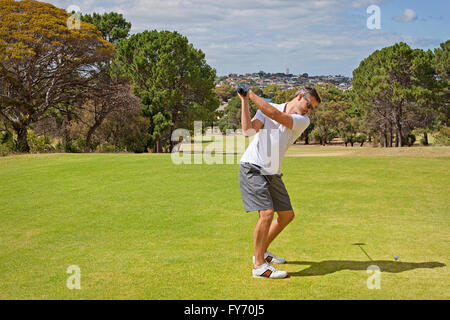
(425, 138)
(22, 142)
(399, 138)
(172, 128)
(66, 125)
(158, 146)
(391, 136)
(398, 124)
(307, 139)
(89, 136)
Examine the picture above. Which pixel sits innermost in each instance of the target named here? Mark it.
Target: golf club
(242, 90)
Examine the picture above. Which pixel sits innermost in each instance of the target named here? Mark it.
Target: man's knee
(286, 216)
(291, 216)
(266, 214)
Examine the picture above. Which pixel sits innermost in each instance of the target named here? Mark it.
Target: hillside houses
(285, 81)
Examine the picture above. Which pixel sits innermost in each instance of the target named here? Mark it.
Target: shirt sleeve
(260, 116)
(300, 122)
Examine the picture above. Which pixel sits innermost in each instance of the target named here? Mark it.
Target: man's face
(307, 103)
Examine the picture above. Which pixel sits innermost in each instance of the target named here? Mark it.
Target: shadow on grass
(330, 266)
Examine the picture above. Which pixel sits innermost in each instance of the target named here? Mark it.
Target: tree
(351, 129)
(231, 119)
(348, 130)
(283, 96)
(126, 129)
(257, 90)
(306, 134)
(327, 120)
(225, 92)
(441, 64)
(424, 107)
(114, 98)
(391, 85)
(113, 26)
(442, 60)
(43, 63)
(112, 94)
(270, 91)
(172, 79)
(231, 116)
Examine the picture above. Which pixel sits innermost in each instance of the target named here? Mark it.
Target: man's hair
(308, 91)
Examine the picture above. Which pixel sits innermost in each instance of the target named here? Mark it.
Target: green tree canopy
(43, 63)
(283, 96)
(271, 90)
(112, 25)
(441, 63)
(225, 92)
(172, 79)
(231, 119)
(391, 84)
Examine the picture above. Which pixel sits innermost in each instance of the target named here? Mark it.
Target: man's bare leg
(278, 225)
(260, 235)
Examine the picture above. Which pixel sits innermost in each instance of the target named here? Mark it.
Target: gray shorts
(262, 192)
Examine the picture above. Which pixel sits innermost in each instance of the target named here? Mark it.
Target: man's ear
(300, 96)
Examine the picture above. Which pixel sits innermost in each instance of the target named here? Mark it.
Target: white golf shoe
(268, 271)
(271, 258)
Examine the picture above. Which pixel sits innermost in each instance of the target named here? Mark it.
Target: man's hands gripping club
(251, 127)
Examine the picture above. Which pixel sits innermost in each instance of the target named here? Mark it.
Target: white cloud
(239, 36)
(408, 15)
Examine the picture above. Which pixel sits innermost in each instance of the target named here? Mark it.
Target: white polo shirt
(270, 144)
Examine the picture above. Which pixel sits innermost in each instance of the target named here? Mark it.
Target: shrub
(225, 125)
(75, 146)
(107, 148)
(443, 138)
(7, 143)
(39, 144)
(4, 150)
(409, 139)
(361, 138)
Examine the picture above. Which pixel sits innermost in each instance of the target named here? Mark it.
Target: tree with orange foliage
(43, 63)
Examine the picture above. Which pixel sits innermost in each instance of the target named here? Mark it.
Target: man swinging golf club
(275, 127)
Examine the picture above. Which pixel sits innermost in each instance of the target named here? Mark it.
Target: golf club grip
(242, 91)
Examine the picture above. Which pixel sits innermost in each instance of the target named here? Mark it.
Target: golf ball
(396, 257)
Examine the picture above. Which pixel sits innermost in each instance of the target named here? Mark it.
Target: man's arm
(273, 113)
(249, 127)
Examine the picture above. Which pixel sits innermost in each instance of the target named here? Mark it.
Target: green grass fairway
(140, 227)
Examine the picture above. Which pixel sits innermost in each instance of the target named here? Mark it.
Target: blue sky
(313, 36)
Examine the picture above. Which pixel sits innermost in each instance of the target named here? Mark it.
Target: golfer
(275, 127)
